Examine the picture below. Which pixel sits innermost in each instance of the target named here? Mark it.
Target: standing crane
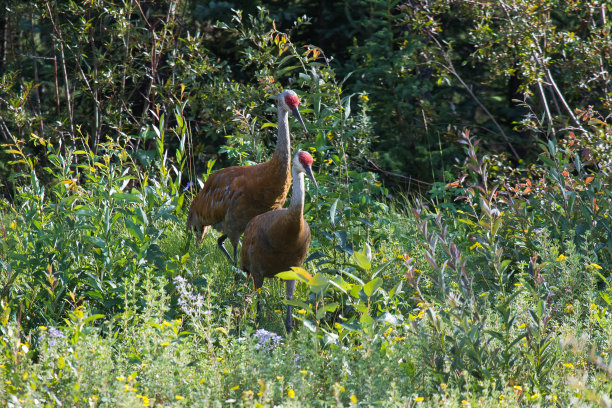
(232, 196)
(277, 240)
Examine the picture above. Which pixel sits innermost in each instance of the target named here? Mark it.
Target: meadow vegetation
(489, 285)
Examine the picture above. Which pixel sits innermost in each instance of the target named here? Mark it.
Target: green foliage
(90, 233)
(497, 293)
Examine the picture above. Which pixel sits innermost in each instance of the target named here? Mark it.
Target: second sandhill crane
(232, 196)
(277, 240)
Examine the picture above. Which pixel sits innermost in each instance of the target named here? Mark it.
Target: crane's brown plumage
(231, 197)
(277, 240)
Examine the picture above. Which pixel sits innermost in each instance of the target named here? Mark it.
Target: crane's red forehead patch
(305, 159)
(292, 100)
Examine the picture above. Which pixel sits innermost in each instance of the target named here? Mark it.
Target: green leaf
(318, 283)
(287, 69)
(136, 231)
(366, 321)
(372, 286)
(361, 261)
(332, 307)
(354, 292)
(267, 125)
(93, 317)
(332, 212)
(97, 241)
(606, 298)
(310, 325)
(297, 303)
(495, 334)
(340, 284)
(132, 198)
(361, 308)
(296, 273)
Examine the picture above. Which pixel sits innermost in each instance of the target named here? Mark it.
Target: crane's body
(231, 197)
(277, 240)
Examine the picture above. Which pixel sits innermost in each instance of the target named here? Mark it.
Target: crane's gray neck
(297, 196)
(283, 143)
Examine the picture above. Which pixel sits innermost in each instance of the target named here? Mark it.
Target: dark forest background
(418, 71)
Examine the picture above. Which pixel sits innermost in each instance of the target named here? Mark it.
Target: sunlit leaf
(372, 286)
(361, 261)
(318, 283)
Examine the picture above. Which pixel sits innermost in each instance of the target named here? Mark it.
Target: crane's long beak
(296, 113)
(311, 176)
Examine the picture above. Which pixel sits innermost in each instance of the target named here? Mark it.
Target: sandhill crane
(232, 196)
(275, 241)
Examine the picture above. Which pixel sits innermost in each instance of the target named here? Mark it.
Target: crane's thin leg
(258, 296)
(235, 255)
(220, 241)
(289, 289)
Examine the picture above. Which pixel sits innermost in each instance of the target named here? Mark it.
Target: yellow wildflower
(476, 245)
(593, 266)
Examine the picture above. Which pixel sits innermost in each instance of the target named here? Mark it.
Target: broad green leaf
(366, 321)
(372, 286)
(136, 231)
(361, 261)
(288, 275)
(296, 273)
(606, 298)
(97, 241)
(332, 307)
(297, 303)
(318, 283)
(340, 284)
(355, 291)
(361, 307)
(310, 325)
(367, 251)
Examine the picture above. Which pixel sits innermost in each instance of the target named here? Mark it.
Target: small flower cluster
(267, 341)
(53, 334)
(190, 302)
